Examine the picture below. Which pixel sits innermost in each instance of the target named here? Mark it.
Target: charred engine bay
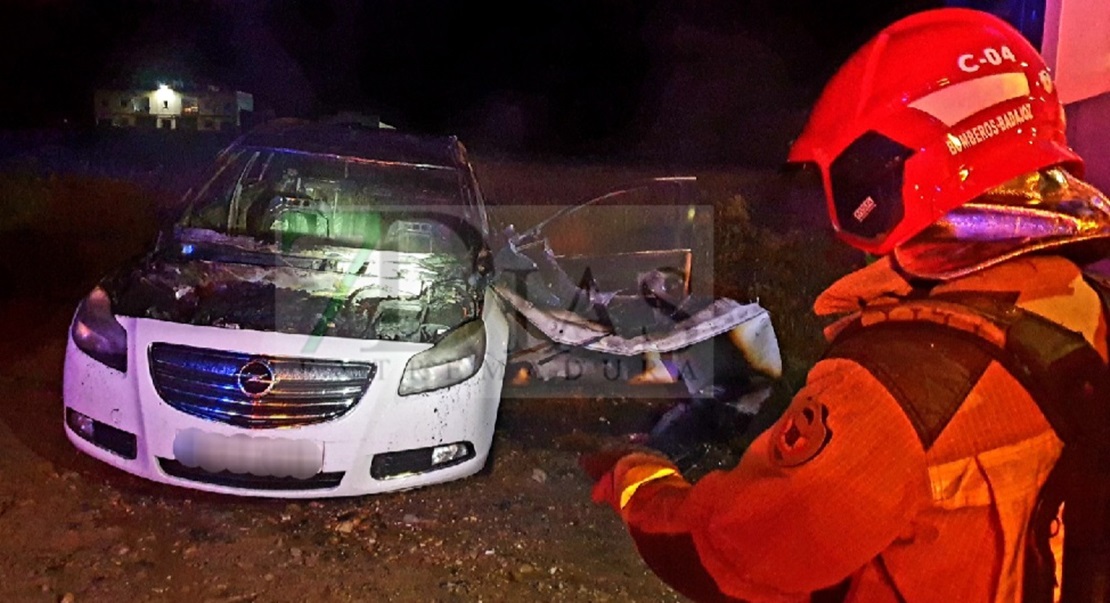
(418, 300)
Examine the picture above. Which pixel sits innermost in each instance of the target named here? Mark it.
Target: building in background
(208, 108)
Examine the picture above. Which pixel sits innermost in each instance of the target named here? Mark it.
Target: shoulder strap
(928, 368)
(1085, 484)
(946, 341)
(930, 352)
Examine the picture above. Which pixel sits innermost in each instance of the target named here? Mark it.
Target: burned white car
(332, 314)
(318, 322)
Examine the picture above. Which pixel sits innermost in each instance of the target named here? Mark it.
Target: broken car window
(297, 198)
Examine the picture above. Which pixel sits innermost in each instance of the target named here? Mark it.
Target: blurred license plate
(248, 454)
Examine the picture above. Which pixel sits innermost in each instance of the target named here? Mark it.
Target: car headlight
(456, 358)
(96, 332)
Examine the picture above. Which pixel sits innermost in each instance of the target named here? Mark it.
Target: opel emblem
(255, 378)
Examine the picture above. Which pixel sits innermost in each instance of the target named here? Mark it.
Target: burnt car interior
(621, 310)
(319, 242)
(285, 197)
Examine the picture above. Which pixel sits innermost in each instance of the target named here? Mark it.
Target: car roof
(356, 140)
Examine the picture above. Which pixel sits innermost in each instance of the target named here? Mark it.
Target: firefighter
(921, 459)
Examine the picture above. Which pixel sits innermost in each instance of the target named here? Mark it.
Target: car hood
(376, 295)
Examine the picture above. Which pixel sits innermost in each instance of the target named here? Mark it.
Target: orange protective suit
(843, 487)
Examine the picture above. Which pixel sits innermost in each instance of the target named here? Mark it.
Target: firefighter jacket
(848, 488)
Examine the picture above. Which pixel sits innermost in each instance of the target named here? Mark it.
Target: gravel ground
(76, 530)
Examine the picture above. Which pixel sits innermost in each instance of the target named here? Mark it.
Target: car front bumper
(384, 442)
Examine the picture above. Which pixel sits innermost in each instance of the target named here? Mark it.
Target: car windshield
(299, 199)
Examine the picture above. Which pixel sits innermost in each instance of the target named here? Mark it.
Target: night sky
(687, 78)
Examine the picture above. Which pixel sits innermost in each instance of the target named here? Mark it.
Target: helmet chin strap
(1046, 209)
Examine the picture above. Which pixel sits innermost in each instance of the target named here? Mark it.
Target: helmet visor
(1041, 210)
(865, 187)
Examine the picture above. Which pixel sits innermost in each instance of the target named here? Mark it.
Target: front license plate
(242, 453)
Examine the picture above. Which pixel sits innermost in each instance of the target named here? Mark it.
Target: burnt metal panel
(357, 141)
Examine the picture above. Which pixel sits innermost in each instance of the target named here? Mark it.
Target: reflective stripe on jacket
(844, 486)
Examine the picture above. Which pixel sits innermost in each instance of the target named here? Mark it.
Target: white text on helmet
(990, 128)
(971, 62)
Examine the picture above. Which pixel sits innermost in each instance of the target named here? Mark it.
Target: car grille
(256, 392)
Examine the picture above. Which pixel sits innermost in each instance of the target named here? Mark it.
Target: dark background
(678, 81)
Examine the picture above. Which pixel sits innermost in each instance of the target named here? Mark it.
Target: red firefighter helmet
(934, 111)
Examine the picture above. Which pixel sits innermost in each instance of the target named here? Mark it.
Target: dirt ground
(76, 530)
(72, 529)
